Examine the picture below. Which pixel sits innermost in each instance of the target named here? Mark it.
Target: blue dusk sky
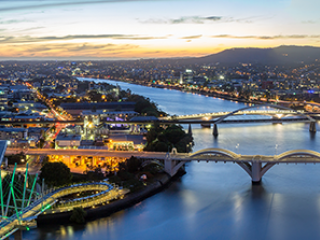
(151, 28)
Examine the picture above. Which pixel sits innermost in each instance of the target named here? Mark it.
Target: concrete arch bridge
(255, 165)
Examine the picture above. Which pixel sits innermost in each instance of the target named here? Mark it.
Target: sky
(83, 29)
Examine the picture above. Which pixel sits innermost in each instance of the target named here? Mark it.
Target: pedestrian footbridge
(27, 209)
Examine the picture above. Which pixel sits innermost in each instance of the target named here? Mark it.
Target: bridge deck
(301, 157)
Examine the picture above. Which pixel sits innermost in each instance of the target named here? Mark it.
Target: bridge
(213, 115)
(27, 209)
(275, 113)
(255, 165)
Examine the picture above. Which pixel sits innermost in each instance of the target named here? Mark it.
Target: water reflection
(257, 191)
(217, 200)
(312, 136)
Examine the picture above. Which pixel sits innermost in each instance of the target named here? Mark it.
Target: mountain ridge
(284, 54)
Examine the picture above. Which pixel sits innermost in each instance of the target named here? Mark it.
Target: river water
(217, 200)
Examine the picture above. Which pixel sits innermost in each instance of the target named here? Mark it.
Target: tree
(142, 104)
(12, 159)
(56, 174)
(163, 140)
(95, 96)
(78, 215)
(152, 135)
(133, 164)
(60, 88)
(45, 160)
(174, 134)
(161, 147)
(96, 175)
(82, 86)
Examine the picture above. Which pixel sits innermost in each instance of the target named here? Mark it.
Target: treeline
(160, 139)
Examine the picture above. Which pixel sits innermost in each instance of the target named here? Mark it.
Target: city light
(130, 95)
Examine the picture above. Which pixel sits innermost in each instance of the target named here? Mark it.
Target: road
(214, 154)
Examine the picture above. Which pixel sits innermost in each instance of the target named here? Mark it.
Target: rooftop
(101, 112)
(136, 139)
(143, 118)
(12, 129)
(103, 105)
(68, 137)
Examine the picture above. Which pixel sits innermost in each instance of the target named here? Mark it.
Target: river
(217, 200)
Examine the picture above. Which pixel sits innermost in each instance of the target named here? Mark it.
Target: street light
(276, 147)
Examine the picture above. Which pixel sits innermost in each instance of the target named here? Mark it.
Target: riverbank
(217, 200)
(161, 181)
(195, 91)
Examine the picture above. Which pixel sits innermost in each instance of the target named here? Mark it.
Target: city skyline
(78, 29)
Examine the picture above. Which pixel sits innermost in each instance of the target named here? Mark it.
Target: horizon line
(82, 58)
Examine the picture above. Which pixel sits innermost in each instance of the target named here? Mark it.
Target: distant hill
(270, 56)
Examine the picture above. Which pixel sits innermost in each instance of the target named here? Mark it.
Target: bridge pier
(172, 166)
(276, 120)
(168, 168)
(255, 170)
(312, 127)
(190, 130)
(256, 173)
(215, 130)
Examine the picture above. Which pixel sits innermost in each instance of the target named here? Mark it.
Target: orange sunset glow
(147, 29)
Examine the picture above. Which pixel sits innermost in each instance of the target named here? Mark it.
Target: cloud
(67, 49)
(266, 37)
(203, 20)
(128, 37)
(5, 38)
(213, 18)
(154, 52)
(102, 47)
(13, 21)
(192, 37)
(48, 3)
(309, 22)
(30, 29)
(28, 39)
(194, 19)
(189, 19)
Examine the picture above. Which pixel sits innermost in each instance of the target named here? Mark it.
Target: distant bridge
(279, 115)
(255, 165)
(213, 115)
